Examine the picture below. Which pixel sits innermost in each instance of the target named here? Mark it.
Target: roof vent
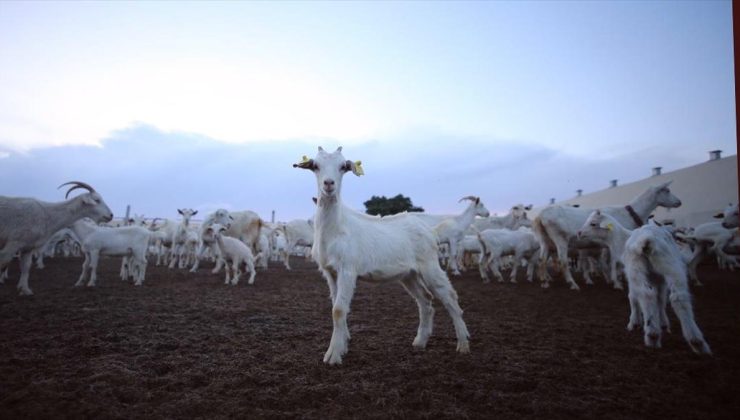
(579, 193)
(552, 201)
(656, 170)
(613, 183)
(715, 155)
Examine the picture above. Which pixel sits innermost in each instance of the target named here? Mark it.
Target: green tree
(384, 206)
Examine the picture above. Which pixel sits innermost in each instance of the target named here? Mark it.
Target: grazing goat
(656, 273)
(130, 242)
(233, 251)
(27, 223)
(349, 245)
(451, 231)
(556, 226)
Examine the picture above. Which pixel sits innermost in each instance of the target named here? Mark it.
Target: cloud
(158, 172)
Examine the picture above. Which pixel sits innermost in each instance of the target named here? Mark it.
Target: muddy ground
(185, 345)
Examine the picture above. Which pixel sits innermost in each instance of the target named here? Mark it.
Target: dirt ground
(186, 345)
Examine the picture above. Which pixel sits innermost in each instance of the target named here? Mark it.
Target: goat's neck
(466, 218)
(619, 236)
(644, 204)
(329, 212)
(63, 214)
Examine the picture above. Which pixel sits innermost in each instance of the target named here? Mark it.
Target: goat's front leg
(26, 260)
(338, 346)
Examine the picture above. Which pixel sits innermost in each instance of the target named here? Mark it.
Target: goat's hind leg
(414, 286)
(681, 303)
(437, 282)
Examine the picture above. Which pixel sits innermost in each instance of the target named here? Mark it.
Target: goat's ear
(477, 200)
(321, 149)
(598, 212)
(606, 225)
(355, 167)
(529, 207)
(666, 184)
(339, 149)
(194, 213)
(179, 211)
(719, 216)
(305, 163)
(315, 200)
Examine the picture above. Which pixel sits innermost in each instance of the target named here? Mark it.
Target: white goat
(451, 231)
(516, 218)
(124, 241)
(707, 239)
(656, 273)
(556, 226)
(729, 216)
(297, 232)
(179, 239)
(207, 238)
(27, 223)
(497, 243)
(233, 251)
(349, 245)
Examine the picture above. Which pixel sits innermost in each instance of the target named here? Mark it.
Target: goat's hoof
(545, 285)
(25, 292)
(700, 347)
(575, 287)
(463, 347)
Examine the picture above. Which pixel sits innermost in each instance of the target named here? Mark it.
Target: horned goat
(27, 223)
(349, 245)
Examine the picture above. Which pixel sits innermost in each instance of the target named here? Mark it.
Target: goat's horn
(75, 185)
(469, 197)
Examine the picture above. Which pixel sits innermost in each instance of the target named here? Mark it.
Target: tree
(384, 206)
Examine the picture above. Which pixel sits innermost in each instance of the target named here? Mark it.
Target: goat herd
(657, 261)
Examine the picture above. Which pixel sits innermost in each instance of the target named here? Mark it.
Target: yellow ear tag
(609, 226)
(305, 159)
(357, 170)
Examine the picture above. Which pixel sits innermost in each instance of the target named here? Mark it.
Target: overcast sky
(165, 105)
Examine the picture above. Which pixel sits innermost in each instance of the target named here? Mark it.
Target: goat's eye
(594, 224)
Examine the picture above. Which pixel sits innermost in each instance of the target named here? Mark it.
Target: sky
(206, 105)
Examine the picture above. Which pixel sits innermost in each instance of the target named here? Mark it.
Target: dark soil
(186, 345)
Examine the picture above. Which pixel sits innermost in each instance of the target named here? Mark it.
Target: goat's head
(92, 202)
(664, 197)
(329, 169)
(519, 211)
(215, 230)
(597, 226)
(480, 209)
(187, 214)
(729, 217)
(220, 216)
